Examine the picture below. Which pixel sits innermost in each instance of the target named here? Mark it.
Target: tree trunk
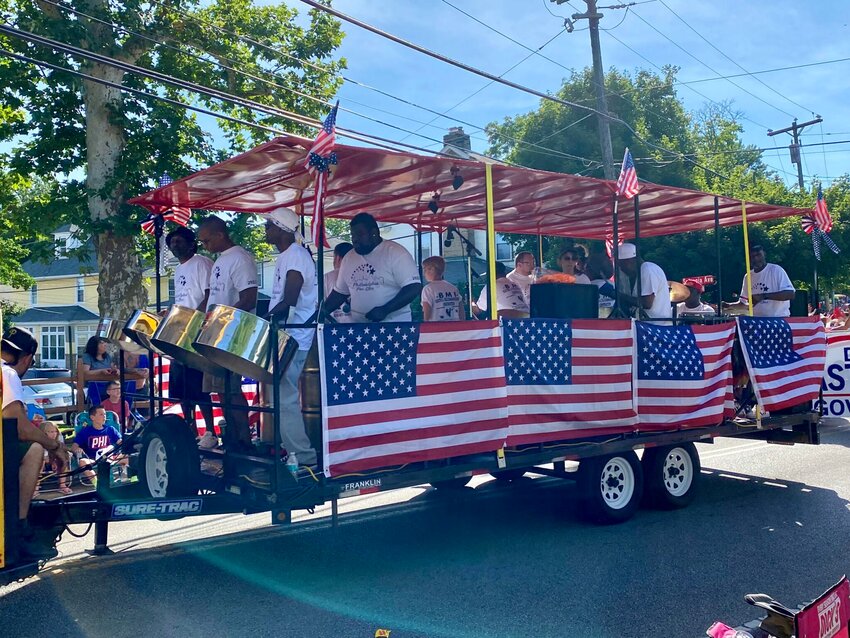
(120, 288)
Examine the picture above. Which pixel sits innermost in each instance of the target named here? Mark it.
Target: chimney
(457, 138)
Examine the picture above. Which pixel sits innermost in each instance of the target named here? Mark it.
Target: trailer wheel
(611, 487)
(504, 476)
(672, 474)
(169, 464)
(456, 483)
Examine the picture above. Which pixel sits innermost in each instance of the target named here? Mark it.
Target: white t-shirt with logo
(654, 281)
(772, 278)
(524, 283)
(508, 297)
(341, 315)
(13, 390)
(191, 281)
(234, 271)
(444, 300)
(374, 279)
(296, 258)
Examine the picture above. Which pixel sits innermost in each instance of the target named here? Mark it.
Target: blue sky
(755, 35)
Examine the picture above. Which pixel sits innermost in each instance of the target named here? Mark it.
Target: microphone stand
(471, 251)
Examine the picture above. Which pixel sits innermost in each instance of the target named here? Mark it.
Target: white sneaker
(208, 441)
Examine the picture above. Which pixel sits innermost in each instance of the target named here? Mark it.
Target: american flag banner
(567, 379)
(785, 358)
(395, 393)
(683, 375)
(821, 213)
(177, 214)
(318, 163)
(627, 183)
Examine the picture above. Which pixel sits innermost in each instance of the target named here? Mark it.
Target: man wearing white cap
(295, 296)
(654, 292)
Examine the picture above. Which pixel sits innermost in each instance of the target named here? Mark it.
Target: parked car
(49, 394)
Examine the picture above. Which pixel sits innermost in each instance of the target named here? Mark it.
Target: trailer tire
(456, 483)
(672, 475)
(169, 463)
(611, 487)
(504, 476)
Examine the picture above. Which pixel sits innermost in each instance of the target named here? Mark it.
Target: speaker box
(565, 301)
(800, 304)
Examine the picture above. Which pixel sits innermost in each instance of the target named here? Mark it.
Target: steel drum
(140, 327)
(240, 341)
(113, 331)
(174, 337)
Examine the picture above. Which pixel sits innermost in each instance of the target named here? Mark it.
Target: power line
(709, 67)
(763, 71)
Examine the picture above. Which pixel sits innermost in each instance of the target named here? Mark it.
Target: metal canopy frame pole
(719, 258)
(615, 242)
(747, 258)
(640, 311)
(491, 243)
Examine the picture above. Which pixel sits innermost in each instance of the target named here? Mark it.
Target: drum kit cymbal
(678, 292)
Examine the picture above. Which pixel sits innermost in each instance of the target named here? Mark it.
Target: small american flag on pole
(683, 375)
(627, 183)
(395, 393)
(567, 379)
(821, 213)
(177, 214)
(785, 358)
(318, 163)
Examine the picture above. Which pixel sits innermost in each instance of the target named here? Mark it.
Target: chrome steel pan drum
(113, 331)
(140, 327)
(240, 341)
(175, 334)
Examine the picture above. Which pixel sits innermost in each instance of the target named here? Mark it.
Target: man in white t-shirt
(510, 302)
(191, 289)
(654, 292)
(379, 275)
(521, 274)
(233, 282)
(441, 301)
(343, 314)
(295, 297)
(17, 350)
(773, 291)
(694, 305)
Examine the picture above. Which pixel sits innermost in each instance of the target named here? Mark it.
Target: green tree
(104, 146)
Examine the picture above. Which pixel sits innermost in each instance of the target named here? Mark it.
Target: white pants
(293, 434)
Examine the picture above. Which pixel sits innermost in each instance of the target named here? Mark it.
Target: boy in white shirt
(379, 275)
(441, 301)
(233, 282)
(295, 296)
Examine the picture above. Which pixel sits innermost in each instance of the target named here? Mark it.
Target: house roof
(71, 265)
(56, 314)
(397, 187)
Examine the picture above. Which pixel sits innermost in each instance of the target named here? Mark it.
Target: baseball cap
(693, 283)
(20, 340)
(626, 251)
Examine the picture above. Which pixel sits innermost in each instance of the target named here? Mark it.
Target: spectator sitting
(97, 369)
(56, 464)
(96, 438)
(113, 404)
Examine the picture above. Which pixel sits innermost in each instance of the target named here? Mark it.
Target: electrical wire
(725, 55)
(774, 70)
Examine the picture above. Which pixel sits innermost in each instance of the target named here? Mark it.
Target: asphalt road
(495, 560)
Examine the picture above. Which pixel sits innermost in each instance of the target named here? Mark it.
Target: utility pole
(592, 16)
(796, 158)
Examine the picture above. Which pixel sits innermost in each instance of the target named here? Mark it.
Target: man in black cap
(17, 350)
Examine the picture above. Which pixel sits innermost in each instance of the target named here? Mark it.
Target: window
(504, 251)
(61, 246)
(171, 287)
(81, 336)
(53, 343)
(260, 274)
(34, 295)
(81, 289)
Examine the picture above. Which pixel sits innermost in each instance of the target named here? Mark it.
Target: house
(61, 306)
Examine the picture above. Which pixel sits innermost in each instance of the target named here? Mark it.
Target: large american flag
(821, 213)
(567, 379)
(627, 183)
(177, 214)
(683, 375)
(318, 163)
(395, 393)
(785, 358)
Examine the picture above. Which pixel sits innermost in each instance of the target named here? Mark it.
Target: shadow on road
(500, 560)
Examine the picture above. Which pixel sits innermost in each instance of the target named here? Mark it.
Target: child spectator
(441, 301)
(113, 403)
(93, 440)
(58, 465)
